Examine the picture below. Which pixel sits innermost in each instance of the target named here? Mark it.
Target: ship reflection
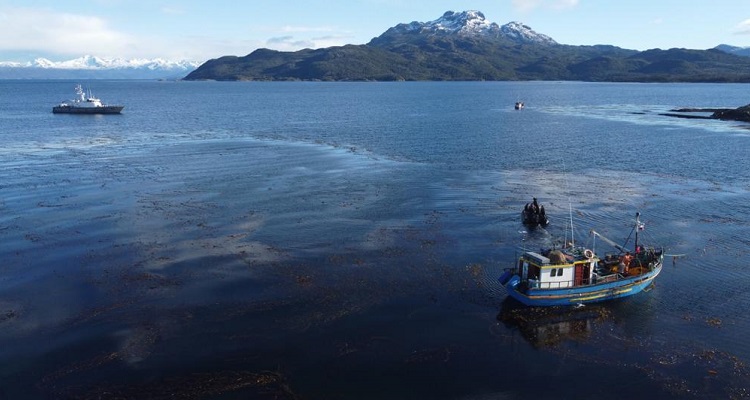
(549, 327)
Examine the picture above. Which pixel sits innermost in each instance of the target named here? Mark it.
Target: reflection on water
(604, 336)
(550, 327)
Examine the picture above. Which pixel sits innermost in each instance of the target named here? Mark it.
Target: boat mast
(637, 228)
(570, 212)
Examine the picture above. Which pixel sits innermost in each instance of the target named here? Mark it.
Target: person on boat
(625, 263)
(536, 206)
(541, 211)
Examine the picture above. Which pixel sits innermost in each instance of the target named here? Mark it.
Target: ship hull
(87, 110)
(579, 295)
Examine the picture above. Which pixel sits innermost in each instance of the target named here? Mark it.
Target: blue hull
(580, 294)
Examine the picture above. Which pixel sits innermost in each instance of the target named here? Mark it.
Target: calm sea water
(343, 240)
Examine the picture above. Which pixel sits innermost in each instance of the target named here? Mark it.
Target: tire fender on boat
(588, 254)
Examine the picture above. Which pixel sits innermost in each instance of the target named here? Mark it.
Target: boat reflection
(549, 327)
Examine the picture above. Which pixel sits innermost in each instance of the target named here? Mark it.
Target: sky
(200, 30)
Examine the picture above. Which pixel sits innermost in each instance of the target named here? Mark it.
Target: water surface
(343, 240)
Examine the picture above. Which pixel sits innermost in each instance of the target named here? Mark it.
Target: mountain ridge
(740, 51)
(456, 46)
(93, 67)
(469, 23)
(465, 46)
(465, 24)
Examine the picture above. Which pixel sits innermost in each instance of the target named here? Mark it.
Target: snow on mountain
(464, 23)
(97, 67)
(469, 23)
(92, 62)
(42, 63)
(522, 33)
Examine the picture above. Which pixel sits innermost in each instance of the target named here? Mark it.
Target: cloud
(526, 5)
(531, 5)
(306, 29)
(563, 4)
(291, 43)
(743, 28)
(172, 11)
(201, 48)
(288, 42)
(293, 38)
(59, 33)
(45, 32)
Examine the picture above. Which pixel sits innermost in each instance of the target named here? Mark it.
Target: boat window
(559, 272)
(553, 272)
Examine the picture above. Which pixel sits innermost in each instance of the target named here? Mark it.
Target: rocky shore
(737, 114)
(728, 114)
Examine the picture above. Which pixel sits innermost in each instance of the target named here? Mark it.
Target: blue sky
(200, 30)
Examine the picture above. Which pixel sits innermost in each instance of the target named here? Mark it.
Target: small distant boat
(576, 275)
(85, 104)
(519, 105)
(533, 215)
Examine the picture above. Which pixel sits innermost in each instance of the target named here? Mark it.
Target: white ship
(85, 104)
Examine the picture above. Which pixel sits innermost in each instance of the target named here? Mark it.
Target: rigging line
(633, 229)
(570, 206)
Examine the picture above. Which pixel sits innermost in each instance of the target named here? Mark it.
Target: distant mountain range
(456, 46)
(465, 46)
(740, 51)
(90, 67)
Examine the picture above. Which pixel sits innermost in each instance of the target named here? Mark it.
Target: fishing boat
(576, 275)
(519, 105)
(85, 104)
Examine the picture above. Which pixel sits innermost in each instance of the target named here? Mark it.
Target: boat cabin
(556, 270)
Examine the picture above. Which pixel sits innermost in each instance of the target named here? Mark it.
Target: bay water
(309, 240)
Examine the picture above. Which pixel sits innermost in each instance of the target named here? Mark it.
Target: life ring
(588, 253)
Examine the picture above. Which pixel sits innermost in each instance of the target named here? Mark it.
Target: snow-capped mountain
(468, 23)
(462, 23)
(92, 67)
(522, 33)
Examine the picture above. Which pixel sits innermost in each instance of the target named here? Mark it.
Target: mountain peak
(471, 23)
(736, 50)
(523, 33)
(465, 22)
(462, 23)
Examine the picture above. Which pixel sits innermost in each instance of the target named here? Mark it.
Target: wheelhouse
(560, 270)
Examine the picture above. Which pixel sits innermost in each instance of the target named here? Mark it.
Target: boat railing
(570, 284)
(552, 285)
